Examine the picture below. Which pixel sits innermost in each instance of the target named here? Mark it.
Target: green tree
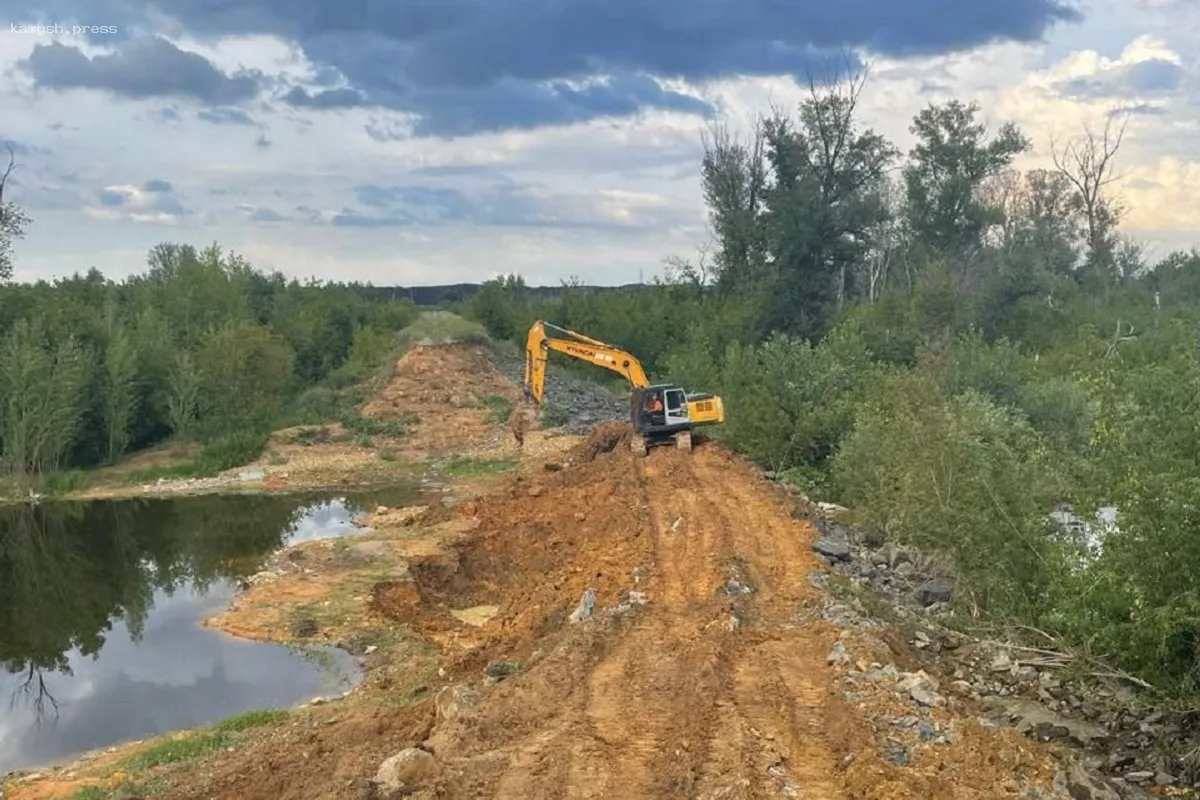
(121, 392)
(947, 167)
(245, 371)
(13, 221)
(43, 392)
(183, 401)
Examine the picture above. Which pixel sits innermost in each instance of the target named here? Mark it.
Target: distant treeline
(431, 296)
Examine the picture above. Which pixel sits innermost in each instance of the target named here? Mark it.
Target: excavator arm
(576, 345)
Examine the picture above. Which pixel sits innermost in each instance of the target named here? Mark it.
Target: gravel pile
(585, 404)
(1124, 747)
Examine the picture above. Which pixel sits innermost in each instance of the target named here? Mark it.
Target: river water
(100, 605)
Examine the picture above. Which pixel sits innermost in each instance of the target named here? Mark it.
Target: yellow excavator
(659, 413)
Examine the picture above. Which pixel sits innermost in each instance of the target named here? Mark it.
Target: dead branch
(12, 164)
(1087, 162)
(1119, 337)
(36, 681)
(1064, 657)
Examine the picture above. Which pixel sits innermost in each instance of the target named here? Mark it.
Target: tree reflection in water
(68, 571)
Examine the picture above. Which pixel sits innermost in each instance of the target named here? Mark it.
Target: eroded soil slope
(702, 668)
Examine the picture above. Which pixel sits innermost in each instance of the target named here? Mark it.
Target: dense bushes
(200, 347)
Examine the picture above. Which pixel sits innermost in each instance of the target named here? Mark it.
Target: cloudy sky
(431, 141)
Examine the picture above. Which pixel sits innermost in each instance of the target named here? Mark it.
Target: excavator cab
(659, 414)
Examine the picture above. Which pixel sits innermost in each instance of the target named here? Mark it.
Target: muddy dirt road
(703, 672)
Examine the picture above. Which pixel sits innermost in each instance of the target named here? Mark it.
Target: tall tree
(183, 399)
(948, 166)
(733, 175)
(1087, 161)
(13, 221)
(43, 390)
(120, 388)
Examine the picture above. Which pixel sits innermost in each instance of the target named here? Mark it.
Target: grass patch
(320, 434)
(252, 719)
(59, 483)
(387, 455)
(176, 751)
(221, 454)
(473, 468)
(124, 791)
(442, 327)
(366, 427)
(419, 675)
(190, 747)
(499, 408)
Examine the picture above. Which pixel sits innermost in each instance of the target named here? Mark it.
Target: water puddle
(100, 605)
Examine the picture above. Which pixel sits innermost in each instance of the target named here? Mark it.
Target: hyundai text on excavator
(659, 413)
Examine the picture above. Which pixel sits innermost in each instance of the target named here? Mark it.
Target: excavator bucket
(520, 421)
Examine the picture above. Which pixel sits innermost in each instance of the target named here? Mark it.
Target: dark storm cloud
(139, 69)
(158, 186)
(464, 66)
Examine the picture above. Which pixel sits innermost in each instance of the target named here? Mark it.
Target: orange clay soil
(446, 388)
(682, 683)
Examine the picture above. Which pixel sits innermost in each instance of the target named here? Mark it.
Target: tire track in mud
(659, 687)
(781, 680)
(693, 706)
(707, 692)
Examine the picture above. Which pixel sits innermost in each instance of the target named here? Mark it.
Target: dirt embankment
(597, 625)
(441, 402)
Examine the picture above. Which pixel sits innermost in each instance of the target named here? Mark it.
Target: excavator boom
(576, 345)
(658, 413)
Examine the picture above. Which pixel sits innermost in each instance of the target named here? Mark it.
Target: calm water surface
(100, 605)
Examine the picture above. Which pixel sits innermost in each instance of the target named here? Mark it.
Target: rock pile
(1035, 689)
(585, 403)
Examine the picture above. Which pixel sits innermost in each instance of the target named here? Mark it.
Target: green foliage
(42, 386)
(499, 408)
(955, 474)
(245, 371)
(191, 746)
(200, 346)
(252, 719)
(373, 426)
(474, 468)
(127, 790)
(184, 748)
